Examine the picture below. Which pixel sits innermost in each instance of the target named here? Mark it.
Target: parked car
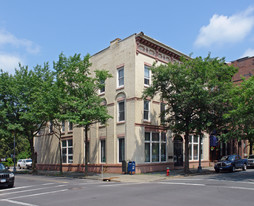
(231, 163)
(251, 161)
(24, 163)
(6, 177)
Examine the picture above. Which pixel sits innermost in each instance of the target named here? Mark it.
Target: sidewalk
(135, 178)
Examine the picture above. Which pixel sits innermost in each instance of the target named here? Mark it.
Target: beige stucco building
(136, 132)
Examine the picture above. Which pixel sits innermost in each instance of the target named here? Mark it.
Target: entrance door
(178, 151)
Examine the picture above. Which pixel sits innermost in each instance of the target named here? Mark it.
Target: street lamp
(199, 158)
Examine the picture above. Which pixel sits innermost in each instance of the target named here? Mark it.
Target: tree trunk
(251, 145)
(86, 150)
(186, 162)
(34, 156)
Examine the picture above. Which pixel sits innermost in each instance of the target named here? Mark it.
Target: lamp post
(199, 155)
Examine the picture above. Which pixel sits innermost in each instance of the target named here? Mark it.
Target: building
(136, 132)
(245, 70)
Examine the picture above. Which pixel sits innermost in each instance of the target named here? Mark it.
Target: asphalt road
(203, 190)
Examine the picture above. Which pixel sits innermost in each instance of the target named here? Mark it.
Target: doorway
(178, 151)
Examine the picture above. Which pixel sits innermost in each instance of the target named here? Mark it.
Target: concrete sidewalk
(147, 177)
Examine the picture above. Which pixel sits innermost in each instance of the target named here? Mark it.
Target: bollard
(168, 171)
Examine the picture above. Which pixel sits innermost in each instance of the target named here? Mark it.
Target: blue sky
(34, 32)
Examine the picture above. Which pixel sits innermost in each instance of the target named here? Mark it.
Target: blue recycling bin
(131, 166)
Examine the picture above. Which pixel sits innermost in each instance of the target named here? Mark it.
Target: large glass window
(120, 74)
(121, 111)
(146, 75)
(146, 110)
(194, 147)
(121, 149)
(155, 147)
(67, 151)
(103, 151)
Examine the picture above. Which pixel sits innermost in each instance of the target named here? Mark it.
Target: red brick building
(246, 70)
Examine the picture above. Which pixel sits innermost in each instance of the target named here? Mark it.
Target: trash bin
(124, 167)
(131, 167)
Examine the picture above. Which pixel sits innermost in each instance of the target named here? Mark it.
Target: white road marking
(48, 183)
(239, 188)
(40, 188)
(120, 184)
(181, 183)
(16, 188)
(17, 202)
(38, 194)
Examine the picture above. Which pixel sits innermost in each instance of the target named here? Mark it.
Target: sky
(34, 32)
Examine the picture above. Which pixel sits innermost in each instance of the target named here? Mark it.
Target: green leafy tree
(241, 112)
(82, 105)
(24, 103)
(192, 90)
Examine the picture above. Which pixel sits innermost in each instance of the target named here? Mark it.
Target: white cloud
(226, 29)
(249, 53)
(9, 63)
(7, 38)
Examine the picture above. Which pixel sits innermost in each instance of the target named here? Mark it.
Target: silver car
(251, 161)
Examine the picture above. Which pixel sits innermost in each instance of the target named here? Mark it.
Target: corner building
(136, 132)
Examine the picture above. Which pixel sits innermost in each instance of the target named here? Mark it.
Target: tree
(192, 90)
(83, 105)
(24, 102)
(241, 112)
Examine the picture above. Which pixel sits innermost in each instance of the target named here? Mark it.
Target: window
(102, 86)
(147, 75)
(103, 150)
(50, 126)
(67, 152)
(163, 108)
(120, 74)
(63, 126)
(121, 149)
(155, 147)
(146, 110)
(70, 126)
(121, 111)
(194, 147)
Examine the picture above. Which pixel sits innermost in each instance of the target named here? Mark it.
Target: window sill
(119, 123)
(119, 88)
(147, 121)
(101, 94)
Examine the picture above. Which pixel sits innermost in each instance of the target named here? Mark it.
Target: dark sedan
(6, 177)
(231, 163)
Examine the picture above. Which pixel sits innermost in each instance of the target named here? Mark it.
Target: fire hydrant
(168, 171)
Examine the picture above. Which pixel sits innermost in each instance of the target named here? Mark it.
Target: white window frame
(149, 75)
(67, 147)
(118, 111)
(191, 148)
(147, 110)
(160, 142)
(63, 126)
(69, 126)
(119, 78)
